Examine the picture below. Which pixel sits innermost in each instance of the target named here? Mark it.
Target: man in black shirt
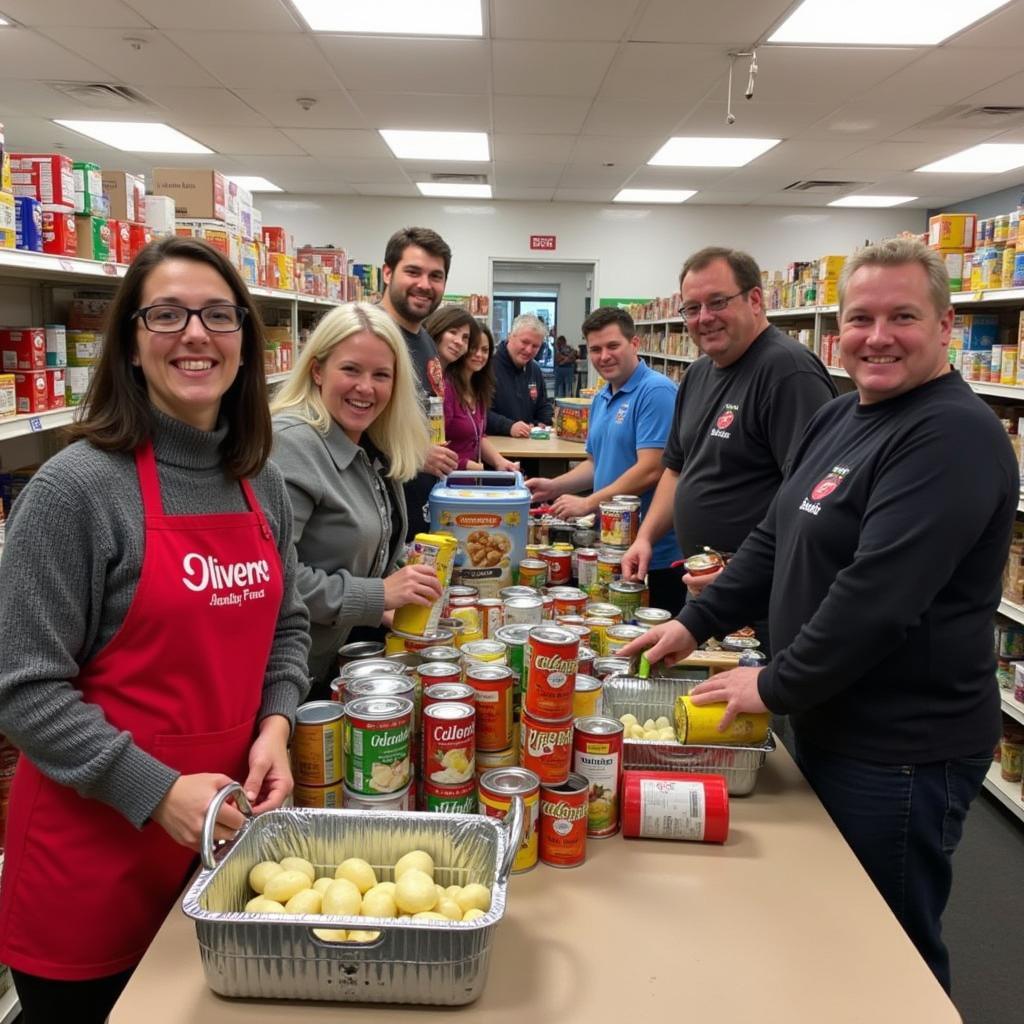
(739, 414)
(416, 265)
(880, 564)
(521, 399)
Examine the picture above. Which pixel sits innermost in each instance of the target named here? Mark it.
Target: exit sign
(546, 242)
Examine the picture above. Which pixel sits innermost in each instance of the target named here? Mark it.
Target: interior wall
(640, 249)
(990, 205)
(571, 282)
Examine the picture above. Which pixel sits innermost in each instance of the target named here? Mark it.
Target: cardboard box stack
(8, 225)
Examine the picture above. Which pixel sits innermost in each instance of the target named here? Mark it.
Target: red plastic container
(673, 805)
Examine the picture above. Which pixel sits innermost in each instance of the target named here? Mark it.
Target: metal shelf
(1012, 707)
(988, 295)
(671, 359)
(1007, 793)
(18, 426)
(9, 1006)
(1012, 610)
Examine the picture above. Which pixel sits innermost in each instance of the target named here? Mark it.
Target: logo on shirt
(620, 414)
(533, 391)
(435, 375)
(823, 488)
(239, 579)
(725, 420)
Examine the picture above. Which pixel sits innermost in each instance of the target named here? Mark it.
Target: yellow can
(319, 796)
(496, 788)
(598, 626)
(587, 698)
(699, 724)
(438, 551)
(316, 743)
(435, 414)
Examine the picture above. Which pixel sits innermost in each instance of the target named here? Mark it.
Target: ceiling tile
(894, 156)
(249, 60)
(204, 106)
(316, 187)
(516, 174)
(26, 55)
(74, 13)
(374, 64)
(585, 195)
(869, 121)
(1010, 91)
(550, 69)
(336, 142)
(578, 175)
(710, 198)
(425, 111)
(39, 99)
(665, 71)
(733, 23)
(374, 188)
(1004, 28)
(617, 117)
(386, 171)
(331, 108)
(534, 195)
(241, 141)
(549, 148)
(624, 150)
(546, 114)
(576, 20)
(223, 15)
(754, 119)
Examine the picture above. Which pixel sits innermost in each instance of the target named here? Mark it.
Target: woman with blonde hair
(348, 431)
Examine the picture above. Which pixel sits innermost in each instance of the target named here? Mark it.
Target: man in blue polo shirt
(630, 420)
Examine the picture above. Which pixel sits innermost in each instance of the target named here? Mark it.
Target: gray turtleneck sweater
(67, 577)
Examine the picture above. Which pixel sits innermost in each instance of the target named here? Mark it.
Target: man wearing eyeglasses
(738, 416)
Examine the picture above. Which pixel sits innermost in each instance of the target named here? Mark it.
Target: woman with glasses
(154, 644)
(348, 432)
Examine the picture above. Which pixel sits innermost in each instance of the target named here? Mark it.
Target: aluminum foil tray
(277, 956)
(650, 698)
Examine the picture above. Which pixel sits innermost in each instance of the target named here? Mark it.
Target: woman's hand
(413, 584)
(440, 461)
(505, 466)
(183, 809)
(270, 775)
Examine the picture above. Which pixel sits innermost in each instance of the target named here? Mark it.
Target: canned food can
(492, 615)
(514, 638)
(703, 563)
(440, 653)
(585, 661)
(533, 572)
(627, 499)
(569, 600)
(551, 658)
(609, 568)
(377, 735)
(483, 651)
(459, 633)
(696, 724)
(456, 592)
(381, 686)
(563, 822)
(547, 611)
(435, 414)
(319, 796)
(546, 747)
(619, 523)
(628, 596)
(605, 610)
(497, 788)
(488, 759)
(616, 637)
(371, 667)
(465, 610)
(533, 550)
(509, 592)
(450, 799)
(359, 652)
(585, 560)
(582, 631)
(599, 633)
(559, 565)
(605, 667)
(449, 744)
(431, 672)
(403, 800)
(494, 686)
(674, 805)
(587, 697)
(408, 661)
(316, 743)
(597, 756)
(524, 610)
(650, 617)
(436, 550)
(448, 693)
(396, 642)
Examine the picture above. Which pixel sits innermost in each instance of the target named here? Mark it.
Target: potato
(661, 722)
(309, 901)
(386, 887)
(415, 891)
(453, 891)
(651, 734)
(299, 864)
(342, 897)
(285, 884)
(261, 872)
(378, 902)
(362, 936)
(449, 908)
(429, 915)
(472, 914)
(441, 891)
(649, 724)
(331, 934)
(358, 872)
(418, 860)
(636, 731)
(261, 905)
(667, 733)
(475, 895)
(321, 884)
(627, 719)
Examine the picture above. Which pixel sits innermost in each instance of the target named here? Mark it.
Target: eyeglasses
(222, 318)
(691, 310)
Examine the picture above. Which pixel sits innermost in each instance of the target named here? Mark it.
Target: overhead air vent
(459, 179)
(995, 117)
(101, 95)
(813, 185)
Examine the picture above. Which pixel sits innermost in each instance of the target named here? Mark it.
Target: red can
(431, 672)
(449, 745)
(559, 565)
(448, 693)
(597, 756)
(493, 684)
(585, 661)
(492, 615)
(672, 805)
(551, 658)
(545, 748)
(457, 593)
(563, 822)
(569, 601)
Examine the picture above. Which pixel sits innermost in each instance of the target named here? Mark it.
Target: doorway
(507, 306)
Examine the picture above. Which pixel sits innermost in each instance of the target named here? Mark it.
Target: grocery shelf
(276, 378)
(670, 358)
(18, 426)
(18, 263)
(1007, 793)
(1012, 610)
(836, 371)
(1014, 708)
(9, 1006)
(988, 295)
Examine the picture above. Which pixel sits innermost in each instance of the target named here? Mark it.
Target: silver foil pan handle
(515, 823)
(210, 821)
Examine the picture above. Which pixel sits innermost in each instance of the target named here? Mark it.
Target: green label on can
(516, 661)
(377, 758)
(455, 802)
(626, 602)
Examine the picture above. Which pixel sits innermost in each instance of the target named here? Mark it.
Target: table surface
(525, 448)
(779, 924)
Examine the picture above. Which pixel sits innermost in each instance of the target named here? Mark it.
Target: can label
(597, 756)
(672, 810)
(546, 748)
(619, 523)
(488, 759)
(514, 638)
(599, 634)
(494, 686)
(377, 734)
(616, 637)
(587, 697)
(435, 413)
(609, 569)
(552, 656)
(449, 744)
(559, 565)
(586, 570)
(563, 823)
(495, 801)
(627, 596)
(319, 796)
(450, 800)
(570, 601)
(699, 724)
(524, 611)
(438, 551)
(492, 616)
(533, 572)
(316, 744)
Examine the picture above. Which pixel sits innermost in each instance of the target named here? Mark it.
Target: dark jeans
(665, 589)
(903, 822)
(44, 1001)
(565, 378)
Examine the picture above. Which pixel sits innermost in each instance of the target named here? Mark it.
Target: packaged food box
(126, 193)
(22, 348)
(55, 385)
(829, 267)
(30, 389)
(8, 398)
(8, 221)
(140, 235)
(952, 230)
(158, 215)
(56, 345)
(49, 177)
(93, 238)
(280, 271)
(88, 311)
(214, 232)
(198, 194)
(28, 218)
(976, 332)
(328, 256)
(84, 347)
(76, 384)
(954, 262)
(60, 232)
(120, 241)
(277, 239)
(5, 165)
(88, 186)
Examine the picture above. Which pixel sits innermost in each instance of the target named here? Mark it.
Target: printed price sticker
(35, 424)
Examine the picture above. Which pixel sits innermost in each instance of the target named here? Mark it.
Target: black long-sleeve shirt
(520, 394)
(880, 563)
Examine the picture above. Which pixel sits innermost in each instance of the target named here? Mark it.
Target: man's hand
(542, 489)
(636, 560)
(670, 642)
(736, 688)
(440, 461)
(571, 506)
(519, 429)
(695, 584)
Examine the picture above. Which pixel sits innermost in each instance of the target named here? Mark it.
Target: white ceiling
(576, 96)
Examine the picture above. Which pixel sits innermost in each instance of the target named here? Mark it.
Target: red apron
(84, 891)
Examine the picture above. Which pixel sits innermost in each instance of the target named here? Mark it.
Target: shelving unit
(1007, 793)
(9, 1006)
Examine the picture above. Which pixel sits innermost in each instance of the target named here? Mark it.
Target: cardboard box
(829, 267)
(30, 391)
(60, 232)
(276, 239)
(94, 238)
(280, 271)
(952, 230)
(56, 346)
(126, 193)
(327, 256)
(55, 388)
(5, 165)
(88, 311)
(197, 194)
(88, 186)
(22, 348)
(120, 241)
(158, 215)
(84, 348)
(140, 235)
(8, 397)
(954, 262)
(49, 177)
(76, 384)
(975, 332)
(28, 216)
(213, 232)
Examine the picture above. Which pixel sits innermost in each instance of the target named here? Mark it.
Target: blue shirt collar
(632, 383)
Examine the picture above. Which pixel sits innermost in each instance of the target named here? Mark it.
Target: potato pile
(290, 886)
(487, 549)
(653, 729)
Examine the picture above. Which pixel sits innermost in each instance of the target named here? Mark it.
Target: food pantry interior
(572, 154)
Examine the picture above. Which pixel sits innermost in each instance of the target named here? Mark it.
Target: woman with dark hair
(154, 644)
(453, 329)
(468, 392)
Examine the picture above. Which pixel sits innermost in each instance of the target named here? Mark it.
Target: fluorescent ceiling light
(254, 183)
(437, 145)
(654, 195)
(394, 17)
(4, 21)
(881, 22)
(872, 200)
(681, 151)
(454, 190)
(988, 158)
(137, 136)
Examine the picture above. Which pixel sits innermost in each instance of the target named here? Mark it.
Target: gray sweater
(68, 575)
(342, 507)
